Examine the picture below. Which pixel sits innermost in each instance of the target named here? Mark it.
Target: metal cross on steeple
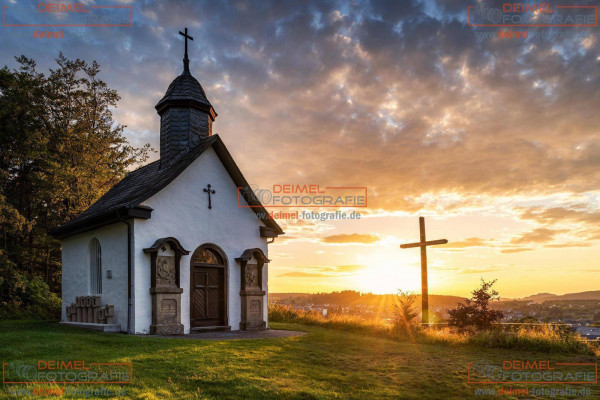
(186, 60)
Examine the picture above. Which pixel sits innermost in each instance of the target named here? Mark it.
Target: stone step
(202, 329)
(94, 327)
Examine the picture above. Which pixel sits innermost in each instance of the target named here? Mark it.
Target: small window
(95, 267)
(208, 256)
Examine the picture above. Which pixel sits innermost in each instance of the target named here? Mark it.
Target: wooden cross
(424, 288)
(208, 190)
(186, 36)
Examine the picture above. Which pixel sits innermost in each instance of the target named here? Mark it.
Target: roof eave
(98, 221)
(162, 106)
(267, 232)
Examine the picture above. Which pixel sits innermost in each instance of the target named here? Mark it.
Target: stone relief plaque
(255, 310)
(251, 276)
(165, 271)
(168, 308)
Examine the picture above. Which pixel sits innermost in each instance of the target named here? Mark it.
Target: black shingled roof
(143, 183)
(185, 87)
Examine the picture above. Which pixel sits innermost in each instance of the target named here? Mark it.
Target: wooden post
(424, 285)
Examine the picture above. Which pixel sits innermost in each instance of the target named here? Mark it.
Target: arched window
(95, 267)
(207, 256)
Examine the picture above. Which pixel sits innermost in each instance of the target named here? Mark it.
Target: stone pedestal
(252, 311)
(252, 293)
(165, 290)
(166, 311)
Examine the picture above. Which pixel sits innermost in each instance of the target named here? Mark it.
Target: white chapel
(176, 246)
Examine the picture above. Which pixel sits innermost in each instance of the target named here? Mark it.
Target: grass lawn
(324, 364)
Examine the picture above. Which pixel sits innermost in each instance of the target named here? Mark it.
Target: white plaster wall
(181, 211)
(76, 269)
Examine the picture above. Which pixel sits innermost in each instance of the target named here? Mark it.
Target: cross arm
(429, 243)
(185, 34)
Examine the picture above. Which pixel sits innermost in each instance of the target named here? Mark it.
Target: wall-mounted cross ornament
(210, 191)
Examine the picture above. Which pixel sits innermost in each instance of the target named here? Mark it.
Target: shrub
(404, 313)
(476, 312)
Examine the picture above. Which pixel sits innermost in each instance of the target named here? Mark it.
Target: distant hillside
(541, 297)
(352, 298)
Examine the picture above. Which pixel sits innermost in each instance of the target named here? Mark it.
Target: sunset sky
(495, 141)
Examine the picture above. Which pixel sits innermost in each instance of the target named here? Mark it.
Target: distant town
(577, 311)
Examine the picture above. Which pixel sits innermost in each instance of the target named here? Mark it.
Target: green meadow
(323, 364)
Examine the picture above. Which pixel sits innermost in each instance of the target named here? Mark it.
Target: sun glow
(388, 273)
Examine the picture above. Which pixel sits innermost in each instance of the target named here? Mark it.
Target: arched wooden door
(208, 292)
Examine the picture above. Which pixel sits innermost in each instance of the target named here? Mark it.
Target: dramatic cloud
(586, 222)
(400, 96)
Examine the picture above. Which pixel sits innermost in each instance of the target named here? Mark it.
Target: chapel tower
(186, 115)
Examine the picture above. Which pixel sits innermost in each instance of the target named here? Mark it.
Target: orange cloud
(300, 274)
(366, 238)
(515, 250)
(468, 242)
(324, 272)
(567, 244)
(560, 214)
(538, 235)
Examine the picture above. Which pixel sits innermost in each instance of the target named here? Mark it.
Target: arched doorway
(208, 291)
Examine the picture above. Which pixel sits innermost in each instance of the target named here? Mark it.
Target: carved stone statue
(165, 270)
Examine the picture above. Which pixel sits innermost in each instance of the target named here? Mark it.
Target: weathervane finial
(186, 60)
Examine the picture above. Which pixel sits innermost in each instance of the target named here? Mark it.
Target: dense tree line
(60, 150)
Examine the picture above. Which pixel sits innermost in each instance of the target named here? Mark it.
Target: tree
(60, 150)
(404, 312)
(476, 311)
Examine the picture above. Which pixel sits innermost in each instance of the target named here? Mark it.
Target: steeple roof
(185, 88)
